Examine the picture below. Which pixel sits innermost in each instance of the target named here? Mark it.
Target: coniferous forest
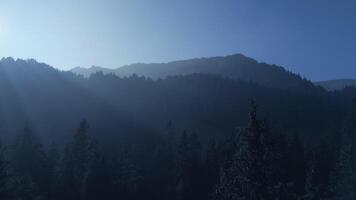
(177, 100)
(185, 137)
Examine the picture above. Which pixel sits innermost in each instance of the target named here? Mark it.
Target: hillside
(53, 102)
(50, 102)
(137, 128)
(235, 66)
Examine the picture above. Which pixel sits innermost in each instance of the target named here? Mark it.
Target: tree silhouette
(77, 162)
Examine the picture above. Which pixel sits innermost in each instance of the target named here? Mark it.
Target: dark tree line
(265, 165)
(254, 163)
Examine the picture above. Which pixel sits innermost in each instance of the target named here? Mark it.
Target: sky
(314, 38)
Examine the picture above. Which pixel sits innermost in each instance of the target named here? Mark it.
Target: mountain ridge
(54, 101)
(337, 84)
(237, 66)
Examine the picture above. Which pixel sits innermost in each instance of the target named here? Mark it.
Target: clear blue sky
(316, 38)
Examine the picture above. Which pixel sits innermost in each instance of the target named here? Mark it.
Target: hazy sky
(316, 38)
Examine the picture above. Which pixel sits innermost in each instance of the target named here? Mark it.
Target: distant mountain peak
(7, 60)
(236, 66)
(11, 60)
(337, 84)
(78, 68)
(87, 71)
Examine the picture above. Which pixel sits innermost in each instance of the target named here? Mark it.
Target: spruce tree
(77, 161)
(29, 166)
(252, 173)
(343, 179)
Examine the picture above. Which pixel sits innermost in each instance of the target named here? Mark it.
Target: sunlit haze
(314, 38)
(177, 99)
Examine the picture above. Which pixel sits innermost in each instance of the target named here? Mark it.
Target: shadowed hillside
(168, 138)
(51, 102)
(54, 101)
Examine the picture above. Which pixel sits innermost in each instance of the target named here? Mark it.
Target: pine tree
(252, 173)
(30, 167)
(77, 161)
(343, 179)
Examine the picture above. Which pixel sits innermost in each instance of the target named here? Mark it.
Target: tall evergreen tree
(251, 173)
(77, 162)
(342, 176)
(29, 165)
(343, 179)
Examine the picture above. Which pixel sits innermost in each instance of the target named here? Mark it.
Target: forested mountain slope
(235, 66)
(53, 102)
(179, 137)
(49, 101)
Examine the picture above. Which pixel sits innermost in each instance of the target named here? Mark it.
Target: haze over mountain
(190, 93)
(184, 100)
(50, 101)
(86, 72)
(337, 84)
(140, 127)
(235, 66)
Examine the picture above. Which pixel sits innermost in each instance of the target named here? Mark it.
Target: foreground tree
(343, 178)
(77, 162)
(254, 172)
(29, 167)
